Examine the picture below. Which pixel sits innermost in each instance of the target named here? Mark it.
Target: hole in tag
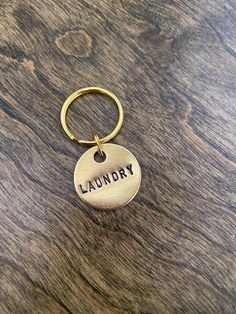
(99, 158)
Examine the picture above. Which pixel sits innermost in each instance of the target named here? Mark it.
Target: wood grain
(173, 66)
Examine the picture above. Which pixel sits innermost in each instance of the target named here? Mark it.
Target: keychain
(114, 180)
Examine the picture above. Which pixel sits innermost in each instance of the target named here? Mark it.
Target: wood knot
(75, 43)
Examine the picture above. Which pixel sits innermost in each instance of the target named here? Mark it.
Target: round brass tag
(108, 184)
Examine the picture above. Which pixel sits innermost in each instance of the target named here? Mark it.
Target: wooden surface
(173, 66)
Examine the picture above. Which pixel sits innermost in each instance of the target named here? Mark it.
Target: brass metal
(115, 180)
(88, 90)
(111, 183)
(98, 142)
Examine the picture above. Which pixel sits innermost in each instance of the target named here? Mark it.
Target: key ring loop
(98, 143)
(88, 90)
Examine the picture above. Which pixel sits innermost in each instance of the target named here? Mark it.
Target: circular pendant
(108, 184)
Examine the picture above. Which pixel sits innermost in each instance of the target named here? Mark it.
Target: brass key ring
(111, 180)
(88, 90)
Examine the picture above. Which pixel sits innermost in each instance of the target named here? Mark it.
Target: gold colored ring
(98, 143)
(88, 90)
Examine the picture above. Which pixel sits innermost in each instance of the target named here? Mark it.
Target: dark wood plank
(173, 66)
